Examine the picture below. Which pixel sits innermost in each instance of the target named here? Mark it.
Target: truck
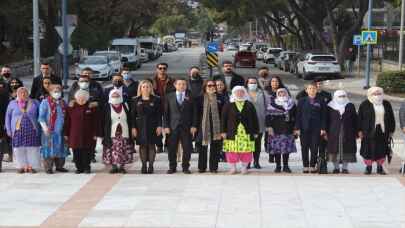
(150, 45)
(130, 51)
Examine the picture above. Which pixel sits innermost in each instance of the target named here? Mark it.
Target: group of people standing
(187, 115)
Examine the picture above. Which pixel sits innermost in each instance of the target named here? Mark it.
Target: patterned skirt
(120, 153)
(281, 144)
(27, 135)
(241, 144)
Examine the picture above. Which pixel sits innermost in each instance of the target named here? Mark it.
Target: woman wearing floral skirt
(118, 145)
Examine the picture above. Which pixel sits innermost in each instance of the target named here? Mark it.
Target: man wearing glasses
(162, 85)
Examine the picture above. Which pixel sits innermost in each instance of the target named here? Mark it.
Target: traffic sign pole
(358, 59)
(368, 62)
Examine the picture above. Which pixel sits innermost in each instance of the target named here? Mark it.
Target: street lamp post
(35, 37)
(370, 13)
(65, 44)
(401, 36)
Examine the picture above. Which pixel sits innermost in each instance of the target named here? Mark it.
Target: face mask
(195, 76)
(378, 99)
(341, 100)
(117, 84)
(126, 76)
(7, 75)
(83, 85)
(252, 87)
(283, 99)
(115, 100)
(56, 95)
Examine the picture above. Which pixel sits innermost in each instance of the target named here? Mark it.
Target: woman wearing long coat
(146, 114)
(209, 107)
(341, 131)
(51, 118)
(257, 97)
(82, 126)
(376, 126)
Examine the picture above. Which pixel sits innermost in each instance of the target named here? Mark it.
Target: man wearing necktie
(180, 121)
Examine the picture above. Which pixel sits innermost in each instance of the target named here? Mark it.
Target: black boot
(248, 166)
(271, 158)
(278, 169)
(114, 169)
(144, 168)
(368, 170)
(256, 165)
(380, 170)
(150, 168)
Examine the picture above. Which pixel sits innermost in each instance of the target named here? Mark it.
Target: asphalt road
(180, 61)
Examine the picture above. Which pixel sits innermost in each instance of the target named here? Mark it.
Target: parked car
(129, 48)
(282, 60)
(114, 59)
(271, 55)
(260, 53)
(245, 59)
(102, 70)
(232, 47)
(318, 65)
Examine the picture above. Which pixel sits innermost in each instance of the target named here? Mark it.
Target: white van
(130, 50)
(150, 45)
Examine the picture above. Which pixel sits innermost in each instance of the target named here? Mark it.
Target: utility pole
(401, 36)
(65, 44)
(35, 38)
(368, 63)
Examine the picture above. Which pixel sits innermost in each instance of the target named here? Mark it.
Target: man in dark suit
(310, 124)
(230, 78)
(36, 87)
(180, 123)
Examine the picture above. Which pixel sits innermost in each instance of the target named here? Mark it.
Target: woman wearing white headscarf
(239, 129)
(280, 121)
(342, 131)
(118, 146)
(376, 126)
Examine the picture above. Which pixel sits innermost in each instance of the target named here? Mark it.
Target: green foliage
(169, 24)
(392, 81)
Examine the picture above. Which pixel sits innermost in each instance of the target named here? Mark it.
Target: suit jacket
(176, 115)
(311, 116)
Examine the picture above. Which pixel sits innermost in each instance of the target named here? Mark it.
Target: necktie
(180, 98)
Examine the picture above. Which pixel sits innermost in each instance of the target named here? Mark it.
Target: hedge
(392, 81)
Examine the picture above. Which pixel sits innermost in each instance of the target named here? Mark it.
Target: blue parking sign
(357, 40)
(212, 47)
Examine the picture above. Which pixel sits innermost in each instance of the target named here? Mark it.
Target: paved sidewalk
(259, 199)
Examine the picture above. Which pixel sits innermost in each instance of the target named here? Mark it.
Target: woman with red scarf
(118, 145)
(51, 118)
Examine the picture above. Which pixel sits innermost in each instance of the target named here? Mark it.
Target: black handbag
(390, 151)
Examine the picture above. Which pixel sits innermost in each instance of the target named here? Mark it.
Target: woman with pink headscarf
(22, 127)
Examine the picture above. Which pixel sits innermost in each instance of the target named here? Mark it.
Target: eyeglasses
(162, 68)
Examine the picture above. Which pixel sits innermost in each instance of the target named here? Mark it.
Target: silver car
(102, 70)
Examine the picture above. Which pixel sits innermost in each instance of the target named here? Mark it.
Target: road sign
(357, 40)
(212, 47)
(369, 37)
(70, 49)
(59, 29)
(212, 59)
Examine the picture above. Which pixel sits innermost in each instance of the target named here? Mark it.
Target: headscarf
(82, 93)
(372, 98)
(287, 103)
(234, 98)
(117, 106)
(21, 103)
(337, 103)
